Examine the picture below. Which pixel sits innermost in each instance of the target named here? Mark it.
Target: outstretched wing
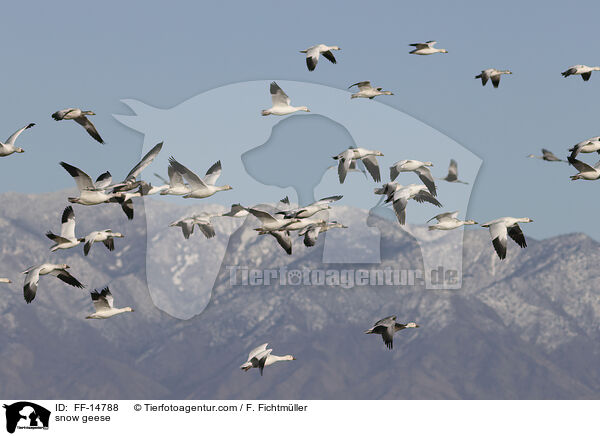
(82, 180)
(213, 173)
(89, 127)
(372, 167)
(329, 56)
(426, 177)
(516, 234)
(66, 277)
(146, 160)
(12, 138)
(278, 97)
(102, 300)
(498, 232)
(67, 229)
(194, 181)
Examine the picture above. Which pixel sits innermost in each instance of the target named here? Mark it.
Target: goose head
(412, 325)
(378, 153)
(128, 309)
(63, 266)
(19, 150)
(288, 357)
(335, 47)
(443, 50)
(304, 108)
(470, 222)
(427, 164)
(88, 112)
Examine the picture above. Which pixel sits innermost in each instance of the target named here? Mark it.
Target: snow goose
(89, 193)
(201, 220)
(386, 327)
(400, 197)
(312, 54)
(588, 146)
(493, 74)
(547, 155)
(281, 103)
(176, 184)
(311, 209)
(5, 280)
(67, 237)
(368, 158)
(500, 227)
(270, 222)
(237, 211)
(583, 70)
(449, 221)
(200, 188)
(312, 231)
(261, 356)
(426, 48)
(365, 90)
(418, 167)
(131, 181)
(7, 148)
(452, 176)
(80, 118)
(105, 236)
(354, 167)
(33, 276)
(586, 172)
(104, 306)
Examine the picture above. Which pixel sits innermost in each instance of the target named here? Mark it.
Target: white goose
(368, 158)
(260, 357)
(201, 220)
(312, 231)
(312, 54)
(200, 188)
(8, 147)
(237, 211)
(176, 184)
(426, 48)
(583, 70)
(80, 118)
(493, 75)
(105, 236)
(547, 155)
(449, 221)
(500, 227)
(587, 146)
(418, 167)
(33, 277)
(281, 103)
(89, 193)
(365, 90)
(586, 172)
(400, 197)
(104, 305)
(271, 223)
(67, 237)
(452, 175)
(386, 327)
(311, 209)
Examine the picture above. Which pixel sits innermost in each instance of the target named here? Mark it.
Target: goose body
(237, 211)
(270, 222)
(201, 220)
(32, 277)
(104, 305)
(176, 184)
(89, 193)
(591, 145)
(582, 70)
(8, 147)
(67, 237)
(311, 209)
(200, 188)
(105, 236)
(492, 74)
(449, 221)
(261, 357)
(281, 103)
(426, 48)
(80, 117)
(312, 231)
(547, 155)
(368, 158)
(365, 90)
(399, 199)
(501, 227)
(386, 327)
(313, 53)
(586, 172)
(418, 167)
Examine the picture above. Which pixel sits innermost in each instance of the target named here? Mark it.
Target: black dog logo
(25, 414)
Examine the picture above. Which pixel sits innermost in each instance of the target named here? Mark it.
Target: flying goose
(8, 147)
(270, 222)
(281, 103)
(588, 146)
(131, 181)
(260, 357)
(103, 304)
(89, 192)
(311, 209)
(236, 211)
(418, 167)
(449, 221)
(493, 74)
(368, 158)
(200, 188)
(452, 176)
(176, 184)
(105, 236)
(583, 70)
(400, 197)
(365, 90)
(547, 155)
(201, 220)
(500, 227)
(386, 327)
(283, 239)
(426, 48)
(67, 237)
(33, 276)
(312, 231)
(79, 116)
(312, 54)
(586, 171)
(355, 166)
(5, 280)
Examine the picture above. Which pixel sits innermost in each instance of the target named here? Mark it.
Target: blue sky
(65, 54)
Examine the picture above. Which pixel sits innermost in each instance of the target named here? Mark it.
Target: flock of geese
(283, 220)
